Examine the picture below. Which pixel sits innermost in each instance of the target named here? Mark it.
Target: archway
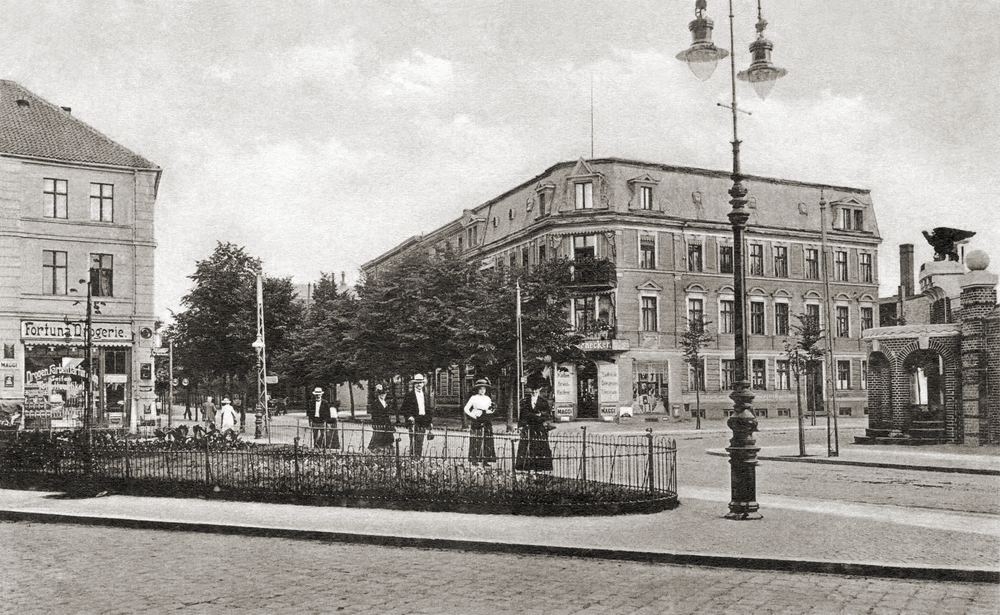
(586, 390)
(924, 370)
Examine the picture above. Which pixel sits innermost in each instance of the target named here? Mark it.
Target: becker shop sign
(74, 331)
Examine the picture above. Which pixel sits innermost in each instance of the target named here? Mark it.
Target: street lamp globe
(703, 55)
(258, 343)
(762, 73)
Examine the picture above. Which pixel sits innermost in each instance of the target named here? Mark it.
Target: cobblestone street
(73, 569)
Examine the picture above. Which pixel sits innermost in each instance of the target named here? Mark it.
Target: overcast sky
(319, 134)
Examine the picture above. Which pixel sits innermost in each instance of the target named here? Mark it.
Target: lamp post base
(743, 467)
(258, 431)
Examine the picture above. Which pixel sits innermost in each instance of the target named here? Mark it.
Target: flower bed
(294, 474)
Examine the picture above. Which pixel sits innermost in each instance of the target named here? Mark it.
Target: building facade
(663, 231)
(77, 212)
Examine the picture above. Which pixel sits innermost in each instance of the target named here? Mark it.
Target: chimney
(906, 269)
(67, 109)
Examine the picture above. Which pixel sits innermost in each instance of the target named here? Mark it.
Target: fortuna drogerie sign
(54, 330)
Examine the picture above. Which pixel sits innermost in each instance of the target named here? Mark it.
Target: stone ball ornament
(977, 260)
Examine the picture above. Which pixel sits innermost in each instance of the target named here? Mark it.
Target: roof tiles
(31, 126)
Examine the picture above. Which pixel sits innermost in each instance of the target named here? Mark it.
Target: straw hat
(419, 378)
(225, 400)
(482, 383)
(318, 391)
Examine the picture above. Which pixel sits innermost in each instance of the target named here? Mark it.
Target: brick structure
(937, 378)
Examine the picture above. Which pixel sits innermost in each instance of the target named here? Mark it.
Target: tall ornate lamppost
(702, 58)
(260, 347)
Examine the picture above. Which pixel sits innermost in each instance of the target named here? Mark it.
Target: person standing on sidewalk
(480, 409)
(226, 418)
(417, 413)
(323, 420)
(207, 411)
(383, 432)
(533, 451)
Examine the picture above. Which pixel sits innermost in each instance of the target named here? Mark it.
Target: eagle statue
(943, 240)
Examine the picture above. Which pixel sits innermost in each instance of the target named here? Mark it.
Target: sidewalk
(796, 534)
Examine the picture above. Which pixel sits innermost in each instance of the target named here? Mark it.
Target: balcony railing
(594, 272)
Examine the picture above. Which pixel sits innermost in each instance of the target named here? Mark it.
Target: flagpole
(520, 351)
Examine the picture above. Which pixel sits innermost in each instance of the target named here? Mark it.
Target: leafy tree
(214, 333)
(694, 338)
(323, 349)
(804, 355)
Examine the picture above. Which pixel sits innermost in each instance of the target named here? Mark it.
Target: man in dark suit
(416, 409)
(323, 421)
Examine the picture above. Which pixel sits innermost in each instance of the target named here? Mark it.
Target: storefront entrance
(54, 385)
(586, 390)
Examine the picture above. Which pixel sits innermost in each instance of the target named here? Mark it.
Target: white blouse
(478, 405)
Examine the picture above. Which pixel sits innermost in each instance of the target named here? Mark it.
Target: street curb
(858, 569)
(868, 464)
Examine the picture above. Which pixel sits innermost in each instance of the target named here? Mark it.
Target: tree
(213, 335)
(803, 355)
(694, 338)
(323, 349)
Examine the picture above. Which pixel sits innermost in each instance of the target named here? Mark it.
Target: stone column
(979, 299)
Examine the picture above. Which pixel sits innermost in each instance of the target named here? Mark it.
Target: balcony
(600, 335)
(593, 274)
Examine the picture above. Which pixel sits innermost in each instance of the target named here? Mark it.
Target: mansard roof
(33, 127)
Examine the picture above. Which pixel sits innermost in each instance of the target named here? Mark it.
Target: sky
(318, 135)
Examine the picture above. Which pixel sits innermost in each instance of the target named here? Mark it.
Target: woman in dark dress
(384, 433)
(480, 409)
(533, 451)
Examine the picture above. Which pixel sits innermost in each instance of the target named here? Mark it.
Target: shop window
(650, 384)
(116, 362)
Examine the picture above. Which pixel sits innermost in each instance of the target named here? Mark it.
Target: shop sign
(74, 331)
(8, 364)
(115, 378)
(8, 381)
(591, 345)
(564, 386)
(58, 370)
(607, 374)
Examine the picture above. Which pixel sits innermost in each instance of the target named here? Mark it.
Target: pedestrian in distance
(187, 413)
(323, 420)
(480, 409)
(208, 411)
(383, 435)
(418, 415)
(226, 417)
(242, 412)
(533, 451)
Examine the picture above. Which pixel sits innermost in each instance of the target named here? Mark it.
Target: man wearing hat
(323, 421)
(416, 409)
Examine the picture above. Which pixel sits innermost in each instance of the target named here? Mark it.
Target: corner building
(665, 231)
(75, 207)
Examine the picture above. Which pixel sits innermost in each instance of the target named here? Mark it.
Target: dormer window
(642, 192)
(849, 216)
(585, 195)
(546, 194)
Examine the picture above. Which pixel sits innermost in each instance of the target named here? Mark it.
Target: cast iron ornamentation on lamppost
(702, 57)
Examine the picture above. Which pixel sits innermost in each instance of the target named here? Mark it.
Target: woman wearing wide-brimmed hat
(480, 409)
(383, 435)
(533, 451)
(226, 417)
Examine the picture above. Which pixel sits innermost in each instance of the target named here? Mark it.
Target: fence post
(362, 437)
(295, 452)
(649, 470)
(208, 466)
(128, 465)
(584, 454)
(513, 460)
(399, 465)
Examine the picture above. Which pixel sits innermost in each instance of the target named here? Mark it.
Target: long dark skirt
(384, 435)
(481, 449)
(533, 451)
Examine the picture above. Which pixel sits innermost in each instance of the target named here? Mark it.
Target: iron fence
(589, 474)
